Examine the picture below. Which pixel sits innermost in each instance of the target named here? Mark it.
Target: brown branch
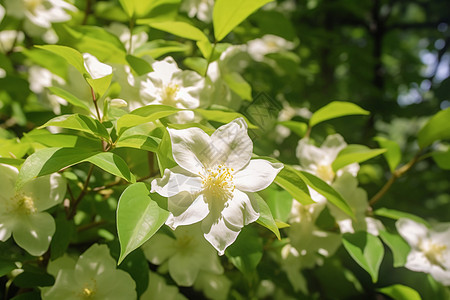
(83, 192)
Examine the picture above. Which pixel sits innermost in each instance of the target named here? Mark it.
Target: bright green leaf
(366, 249)
(164, 153)
(291, 181)
(395, 214)
(238, 85)
(138, 218)
(400, 292)
(178, 28)
(49, 139)
(159, 48)
(265, 216)
(298, 128)
(81, 123)
(69, 97)
(437, 128)
(228, 14)
(71, 55)
(139, 65)
(100, 85)
(144, 142)
(112, 163)
(400, 249)
(442, 159)
(354, 154)
(6, 267)
(393, 154)
(336, 109)
(327, 191)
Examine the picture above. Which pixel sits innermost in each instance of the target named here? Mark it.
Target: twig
(74, 206)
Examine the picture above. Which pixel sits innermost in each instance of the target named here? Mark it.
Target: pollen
(31, 5)
(23, 204)
(325, 172)
(218, 183)
(169, 93)
(434, 252)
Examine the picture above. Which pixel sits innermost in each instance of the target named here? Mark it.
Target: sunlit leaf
(291, 181)
(112, 163)
(143, 142)
(72, 56)
(400, 249)
(354, 154)
(69, 97)
(366, 249)
(395, 214)
(393, 154)
(238, 85)
(178, 28)
(336, 109)
(437, 128)
(138, 218)
(442, 159)
(299, 128)
(265, 216)
(400, 292)
(139, 65)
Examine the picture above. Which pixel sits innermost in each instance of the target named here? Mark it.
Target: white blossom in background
(8, 38)
(96, 68)
(269, 43)
(93, 276)
(347, 186)
(38, 15)
(318, 160)
(213, 286)
(22, 212)
(430, 248)
(123, 33)
(40, 79)
(286, 114)
(186, 255)
(202, 9)
(2, 13)
(214, 181)
(169, 85)
(158, 289)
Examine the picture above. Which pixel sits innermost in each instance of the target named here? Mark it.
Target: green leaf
(178, 28)
(437, 128)
(298, 128)
(336, 109)
(139, 8)
(400, 292)
(395, 215)
(159, 48)
(81, 123)
(442, 159)
(354, 154)
(164, 153)
(112, 163)
(265, 216)
(246, 252)
(6, 267)
(198, 64)
(222, 116)
(55, 64)
(291, 181)
(400, 249)
(138, 218)
(49, 139)
(366, 249)
(147, 143)
(143, 115)
(279, 201)
(100, 85)
(327, 191)
(228, 14)
(69, 97)
(393, 154)
(238, 85)
(71, 55)
(60, 241)
(139, 65)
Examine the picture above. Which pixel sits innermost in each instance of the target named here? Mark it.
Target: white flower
(22, 211)
(95, 68)
(186, 255)
(318, 161)
(347, 186)
(203, 9)
(123, 32)
(94, 276)
(430, 248)
(214, 286)
(39, 14)
(158, 289)
(214, 181)
(269, 43)
(8, 38)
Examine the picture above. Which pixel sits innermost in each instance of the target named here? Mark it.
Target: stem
(130, 46)
(395, 175)
(96, 105)
(87, 12)
(90, 225)
(82, 194)
(210, 58)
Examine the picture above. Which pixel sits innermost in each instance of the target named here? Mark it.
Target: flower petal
(164, 70)
(241, 210)
(186, 209)
(191, 149)
(34, 233)
(5, 229)
(417, 261)
(46, 191)
(219, 233)
(257, 175)
(159, 248)
(183, 269)
(95, 68)
(8, 177)
(441, 275)
(174, 181)
(411, 231)
(231, 144)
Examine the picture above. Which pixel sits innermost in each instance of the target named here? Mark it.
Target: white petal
(159, 248)
(183, 269)
(241, 210)
(164, 70)
(34, 233)
(411, 231)
(5, 228)
(257, 175)
(417, 261)
(191, 149)
(94, 261)
(176, 180)
(46, 191)
(95, 68)
(231, 144)
(333, 144)
(219, 233)
(186, 209)
(310, 155)
(8, 177)
(441, 275)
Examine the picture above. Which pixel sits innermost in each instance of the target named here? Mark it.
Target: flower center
(434, 252)
(169, 93)
(89, 289)
(183, 242)
(22, 204)
(31, 5)
(325, 172)
(218, 183)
